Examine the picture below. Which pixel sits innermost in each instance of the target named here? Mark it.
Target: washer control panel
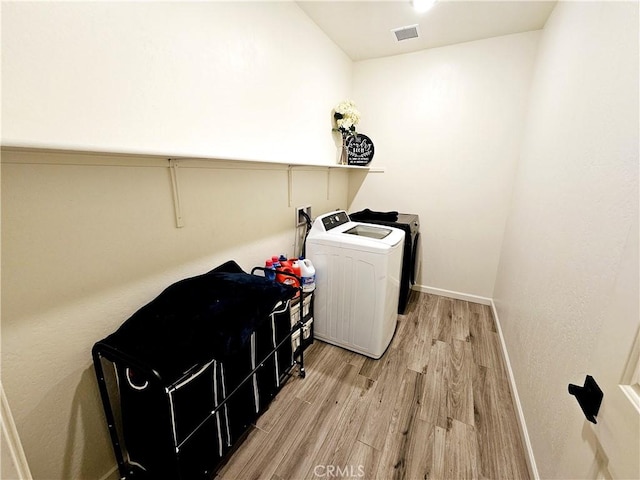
(334, 220)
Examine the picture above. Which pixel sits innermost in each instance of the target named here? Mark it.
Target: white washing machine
(358, 268)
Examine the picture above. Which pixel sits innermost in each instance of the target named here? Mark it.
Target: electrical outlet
(300, 220)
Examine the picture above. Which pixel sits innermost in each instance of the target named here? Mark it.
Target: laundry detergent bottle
(269, 271)
(296, 268)
(308, 275)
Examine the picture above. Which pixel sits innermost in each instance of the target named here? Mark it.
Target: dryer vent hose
(306, 233)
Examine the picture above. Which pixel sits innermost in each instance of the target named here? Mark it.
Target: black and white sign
(360, 148)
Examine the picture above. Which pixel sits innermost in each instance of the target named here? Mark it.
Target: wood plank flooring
(437, 405)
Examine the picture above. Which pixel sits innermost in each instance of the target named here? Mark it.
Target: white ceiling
(363, 28)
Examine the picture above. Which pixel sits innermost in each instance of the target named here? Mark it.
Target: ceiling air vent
(405, 33)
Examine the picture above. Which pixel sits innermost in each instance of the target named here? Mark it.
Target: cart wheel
(302, 372)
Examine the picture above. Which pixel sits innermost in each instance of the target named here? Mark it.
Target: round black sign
(360, 148)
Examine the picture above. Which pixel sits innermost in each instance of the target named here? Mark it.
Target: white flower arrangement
(347, 117)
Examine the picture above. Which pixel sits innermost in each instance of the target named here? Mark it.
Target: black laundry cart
(183, 379)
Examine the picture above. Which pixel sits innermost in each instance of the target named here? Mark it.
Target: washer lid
(364, 230)
(377, 239)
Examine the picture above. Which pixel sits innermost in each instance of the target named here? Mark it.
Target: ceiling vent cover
(405, 33)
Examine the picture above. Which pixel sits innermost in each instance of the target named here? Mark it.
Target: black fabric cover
(198, 319)
(368, 215)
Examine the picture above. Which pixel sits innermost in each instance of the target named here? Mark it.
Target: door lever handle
(589, 397)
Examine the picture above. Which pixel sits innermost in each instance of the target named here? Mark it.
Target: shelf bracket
(173, 170)
(290, 184)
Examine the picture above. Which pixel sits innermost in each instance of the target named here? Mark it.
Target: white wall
(251, 80)
(575, 204)
(88, 239)
(446, 124)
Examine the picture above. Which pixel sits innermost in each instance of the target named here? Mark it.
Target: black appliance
(410, 223)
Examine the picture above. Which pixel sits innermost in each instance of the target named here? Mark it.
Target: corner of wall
(524, 434)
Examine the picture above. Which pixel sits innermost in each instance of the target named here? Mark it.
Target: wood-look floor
(437, 405)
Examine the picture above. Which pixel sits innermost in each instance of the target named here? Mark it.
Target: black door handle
(589, 397)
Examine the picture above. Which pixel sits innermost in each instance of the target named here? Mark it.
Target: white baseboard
(11, 441)
(112, 474)
(451, 294)
(531, 462)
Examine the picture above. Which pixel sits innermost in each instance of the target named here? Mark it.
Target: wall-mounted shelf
(108, 157)
(70, 155)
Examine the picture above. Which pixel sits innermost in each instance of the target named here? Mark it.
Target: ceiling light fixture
(422, 6)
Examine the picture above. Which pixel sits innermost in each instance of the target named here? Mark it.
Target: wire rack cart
(184, 378)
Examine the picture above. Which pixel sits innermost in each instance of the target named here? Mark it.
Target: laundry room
(148, 142)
